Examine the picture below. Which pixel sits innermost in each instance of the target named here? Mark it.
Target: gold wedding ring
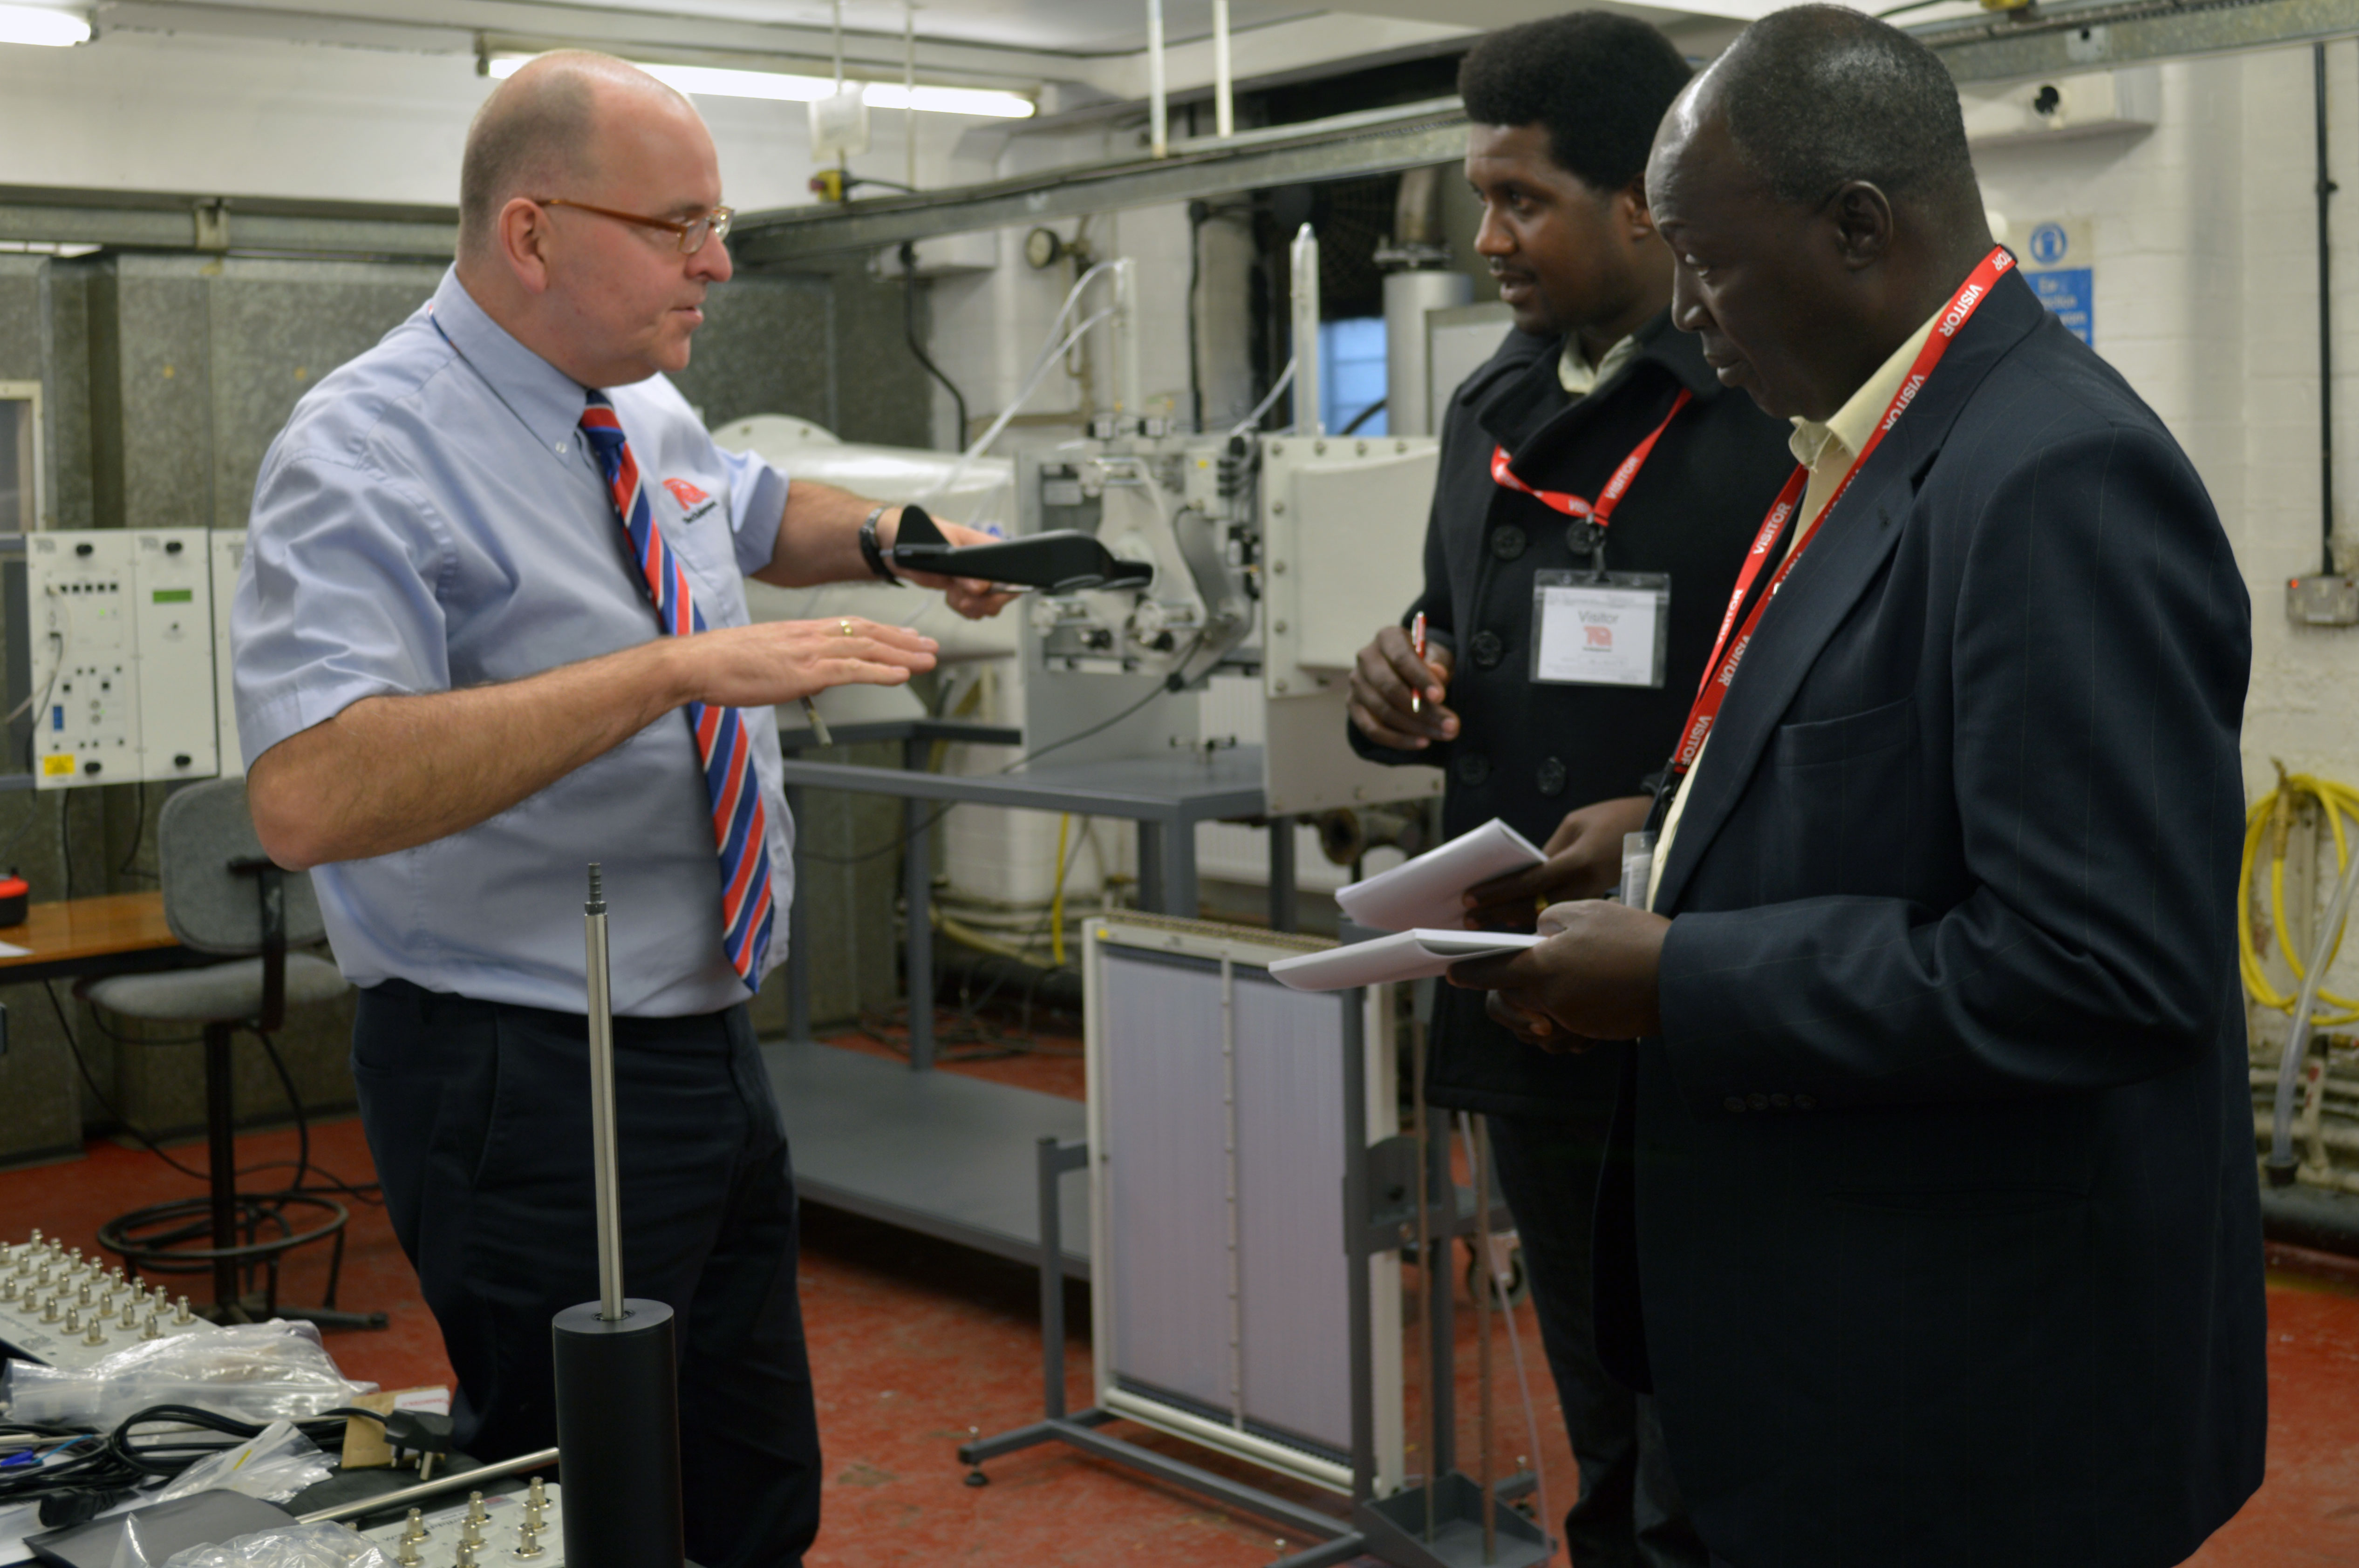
(846, 625)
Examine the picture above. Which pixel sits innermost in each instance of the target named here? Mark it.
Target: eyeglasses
(691, 234)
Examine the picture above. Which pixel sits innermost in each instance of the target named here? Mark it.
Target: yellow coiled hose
(2272, 816)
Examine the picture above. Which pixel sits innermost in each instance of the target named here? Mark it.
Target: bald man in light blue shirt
(455, 691)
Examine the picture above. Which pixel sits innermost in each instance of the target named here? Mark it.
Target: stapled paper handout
(1431, 890)
(1402, 956)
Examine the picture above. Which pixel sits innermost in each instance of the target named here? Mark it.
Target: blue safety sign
(2066, 291)
(2049, 244)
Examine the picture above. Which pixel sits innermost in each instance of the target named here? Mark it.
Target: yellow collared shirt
(1828, 450)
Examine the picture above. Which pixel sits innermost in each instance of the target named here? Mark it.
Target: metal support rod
(536, 1460)
(1229, 1161)
(601, 1103)
(1281, 874)
(1224, 111)
(917, 897)
(1358, 1288)
(909, 100)
(1478, 1152)
(1051, 1166)
(1158, 119)
(917, 893)
(2326, 188)
(1324, 1555)
(1421, 1131)
(799, 1001)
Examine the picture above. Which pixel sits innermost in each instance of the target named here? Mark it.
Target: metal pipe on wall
(1157, 121)
(1224, 111)
(1408, 401)
(2325, 192)
(1303, 274)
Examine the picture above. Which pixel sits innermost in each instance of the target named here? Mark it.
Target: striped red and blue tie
(740, 826)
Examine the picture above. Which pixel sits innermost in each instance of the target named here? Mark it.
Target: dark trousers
(1628, 1514)
(478, 1114)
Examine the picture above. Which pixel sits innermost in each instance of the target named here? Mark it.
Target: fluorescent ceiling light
(42, 25)
(718, 82)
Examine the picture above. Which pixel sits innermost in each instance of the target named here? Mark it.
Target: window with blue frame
(1352, 373)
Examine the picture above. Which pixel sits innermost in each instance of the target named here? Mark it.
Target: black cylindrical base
(618, 1436)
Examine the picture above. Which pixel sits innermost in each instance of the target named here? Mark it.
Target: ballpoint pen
(1417, 646)
(818, 725)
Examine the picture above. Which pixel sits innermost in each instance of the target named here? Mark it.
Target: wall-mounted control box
(120, 634)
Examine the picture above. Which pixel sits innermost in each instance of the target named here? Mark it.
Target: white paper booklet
(1431, 890)
(1402, 956)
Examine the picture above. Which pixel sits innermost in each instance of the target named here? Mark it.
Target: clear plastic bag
(274, 1466)
(295, 1546)
(255, 1372)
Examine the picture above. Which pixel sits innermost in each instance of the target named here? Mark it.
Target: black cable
(78, 1487)
(1196, 213)
(139, 829)
(1365, 415)
(49, 989)
(909, 330)
(367, 1192)
(294, 1103)
(372, 1192)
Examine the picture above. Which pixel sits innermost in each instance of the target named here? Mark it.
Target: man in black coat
(1564, 112)
(1937, 1239)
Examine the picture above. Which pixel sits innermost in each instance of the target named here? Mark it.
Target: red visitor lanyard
(1601, 511)
(1726, 654)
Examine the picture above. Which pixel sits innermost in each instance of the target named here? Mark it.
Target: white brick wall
(2206, 300)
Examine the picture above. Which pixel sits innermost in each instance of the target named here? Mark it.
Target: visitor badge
(1609, 629)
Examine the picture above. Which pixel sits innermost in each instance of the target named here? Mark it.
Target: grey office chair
(223, 895)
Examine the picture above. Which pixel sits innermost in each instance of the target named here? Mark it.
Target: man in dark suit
(1563, 111)
(1932, 1221)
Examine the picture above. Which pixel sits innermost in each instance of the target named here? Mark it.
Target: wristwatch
(873, 552)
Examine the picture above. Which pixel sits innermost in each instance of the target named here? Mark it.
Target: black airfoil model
(1063, 560)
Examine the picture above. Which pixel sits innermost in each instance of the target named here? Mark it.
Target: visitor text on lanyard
(1727, 652)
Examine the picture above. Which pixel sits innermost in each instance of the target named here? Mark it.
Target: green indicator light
(174, 595)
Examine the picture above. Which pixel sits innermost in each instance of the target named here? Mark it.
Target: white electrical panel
(1342, 533)
(228, 554)
(172, 622)
(121, 633)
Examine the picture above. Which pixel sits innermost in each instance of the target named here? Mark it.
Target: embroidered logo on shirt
(692, 501)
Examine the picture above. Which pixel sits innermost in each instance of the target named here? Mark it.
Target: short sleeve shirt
(430, 519)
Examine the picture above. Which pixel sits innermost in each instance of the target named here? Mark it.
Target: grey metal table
(940, 1154)
(1166, 797)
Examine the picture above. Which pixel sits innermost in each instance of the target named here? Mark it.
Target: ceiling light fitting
(43, 24)
(721, 82)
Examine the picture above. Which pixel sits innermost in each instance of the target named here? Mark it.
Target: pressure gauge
(1042, 247)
